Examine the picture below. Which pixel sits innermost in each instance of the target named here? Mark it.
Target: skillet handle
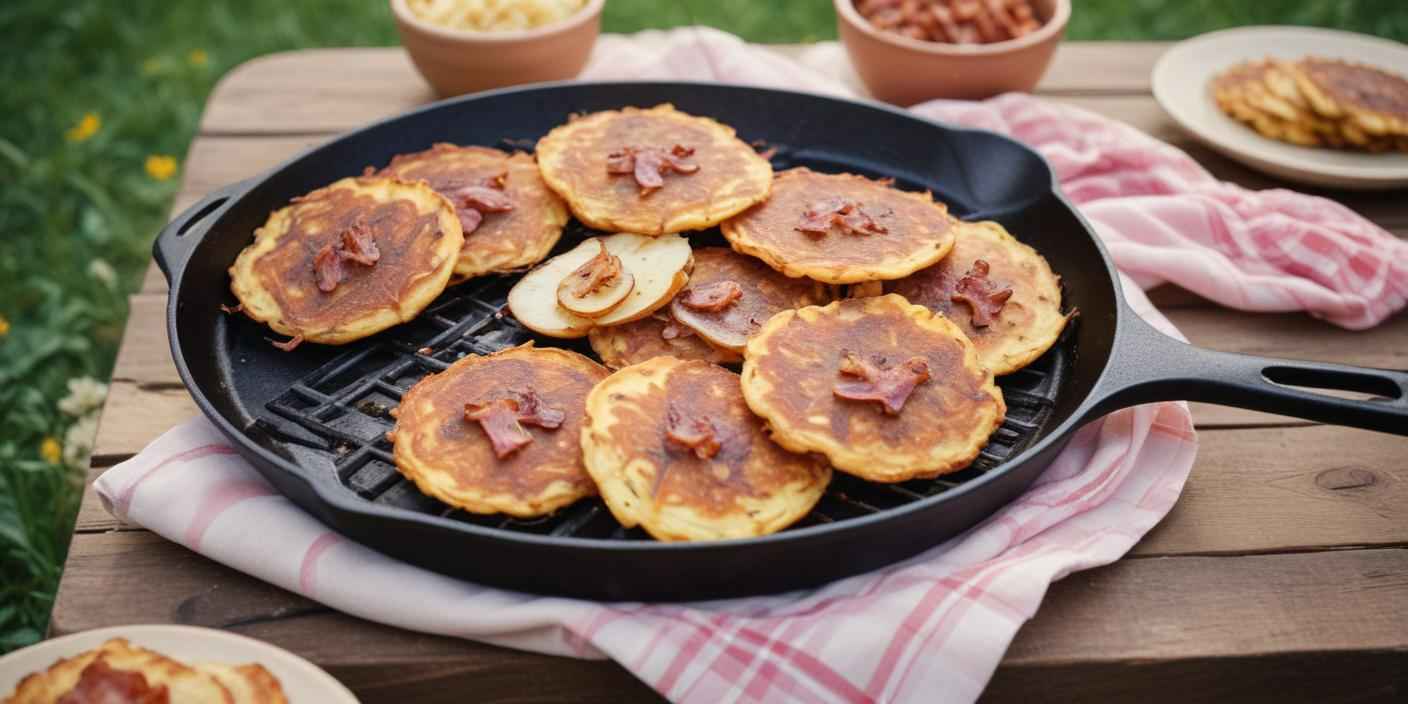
(1150, 366)
(180, 237)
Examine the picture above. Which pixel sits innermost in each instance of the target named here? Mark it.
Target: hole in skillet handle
(184, 233)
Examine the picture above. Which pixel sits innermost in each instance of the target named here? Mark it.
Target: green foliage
(144, 68)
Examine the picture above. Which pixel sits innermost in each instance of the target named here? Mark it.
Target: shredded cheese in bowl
(494, 15)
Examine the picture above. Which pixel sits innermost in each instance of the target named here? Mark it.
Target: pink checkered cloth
(933, 627)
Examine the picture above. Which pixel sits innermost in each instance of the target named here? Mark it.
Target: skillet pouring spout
(1149, 366)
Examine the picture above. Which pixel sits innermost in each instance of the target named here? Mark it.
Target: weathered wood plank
(1288, 489)
(1116, 623)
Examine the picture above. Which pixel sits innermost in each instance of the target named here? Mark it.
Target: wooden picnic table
(1281, 574)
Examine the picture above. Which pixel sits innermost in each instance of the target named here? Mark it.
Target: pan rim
(340, 501)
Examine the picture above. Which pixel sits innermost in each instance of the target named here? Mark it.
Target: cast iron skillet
(308, 419)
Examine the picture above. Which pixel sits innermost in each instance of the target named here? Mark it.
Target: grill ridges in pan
(344, 406)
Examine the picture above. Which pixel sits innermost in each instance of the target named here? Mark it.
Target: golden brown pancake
(674, 449)
(1248, 92)
(887, 390)
(1374, 99)
(384, 248)
(1010, 330)
(183, 683)
(730, 296)
(867, 229)
(494, 241)
(463, 462)
(578, 160)
(658, 335)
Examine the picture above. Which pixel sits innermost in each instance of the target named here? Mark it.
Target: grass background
(143, 69)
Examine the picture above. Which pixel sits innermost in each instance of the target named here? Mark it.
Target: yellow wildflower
(160, 166)
(198, 57)
(86, 127)
(51, 450)
(4, 326)
(153, 66)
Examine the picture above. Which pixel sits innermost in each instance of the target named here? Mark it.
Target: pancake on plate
(510, 218)
(1254, 93)
(842, 228)
(119, 666)
(887, 390)
(730, 296)
(1373, 99)
(1001, 293)
(348, 260)
(652, 171)
(499, 433)
(674, 449)
(1317, 102)
(657, 335)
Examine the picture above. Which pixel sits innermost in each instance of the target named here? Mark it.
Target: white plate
(1180, 84)
(302, 681)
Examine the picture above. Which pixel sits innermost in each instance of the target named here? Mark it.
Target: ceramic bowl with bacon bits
(970, 49)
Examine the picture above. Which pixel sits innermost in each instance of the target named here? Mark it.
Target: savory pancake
(674, 449)
(1001, 293)
(1316, 102)
(498, 433)
(657, 335)
(348, 260)
(118, 659)
(842, 228)
(1373, 99)
(730, 296)
(887, 390)
(652, 171)
(510, 218)
(1252, 92)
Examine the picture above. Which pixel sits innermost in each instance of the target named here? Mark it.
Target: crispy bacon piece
(597, 272)
(357, 244)
(499, 419)
(649, 164)
(847, 215)
(712, 298)
(503, 418)
(533, 411)
(100, 683)
(980, 294)
(867, 380)
(484, 199)
(288, 345)
(474, 201)
(695, 434)
(327, 266)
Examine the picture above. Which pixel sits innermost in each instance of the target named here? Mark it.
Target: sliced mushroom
(596, 287)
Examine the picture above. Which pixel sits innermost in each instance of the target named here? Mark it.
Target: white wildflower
(78, 441)
(101, 270)
(85, 394)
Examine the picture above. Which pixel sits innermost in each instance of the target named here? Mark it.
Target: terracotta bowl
(905, 71)
(458, 61)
